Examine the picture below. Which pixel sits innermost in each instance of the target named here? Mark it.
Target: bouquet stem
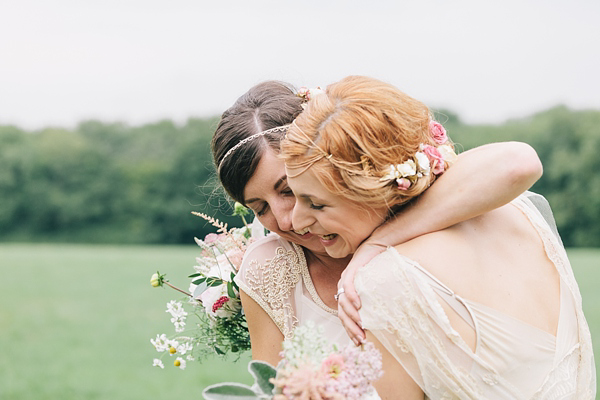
(176, 288)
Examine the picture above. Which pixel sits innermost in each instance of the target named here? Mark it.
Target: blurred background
(107, 109)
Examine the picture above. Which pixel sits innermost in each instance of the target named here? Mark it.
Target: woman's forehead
(268, 176)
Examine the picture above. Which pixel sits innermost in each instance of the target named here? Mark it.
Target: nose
(282, 211)
(300, 217)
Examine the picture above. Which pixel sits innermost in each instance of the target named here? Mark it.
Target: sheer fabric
(512, 360)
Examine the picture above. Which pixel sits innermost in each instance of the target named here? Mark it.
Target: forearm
(481, 180)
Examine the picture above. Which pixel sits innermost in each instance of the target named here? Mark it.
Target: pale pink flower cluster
(360, 368)
(309, 373)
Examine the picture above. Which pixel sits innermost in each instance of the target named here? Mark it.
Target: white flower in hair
(447, 153)
(423, 163)
(407, 168)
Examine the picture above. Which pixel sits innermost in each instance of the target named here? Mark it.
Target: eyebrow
(311, 198)
(275, 186)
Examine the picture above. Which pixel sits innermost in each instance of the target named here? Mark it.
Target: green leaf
(219, 351)
(232, 277)
(229, 391)
(230, 291)
(262, 373)
(195, 275)
(198, 281)
(214, 282)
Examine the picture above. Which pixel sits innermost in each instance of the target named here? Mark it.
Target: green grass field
(76, 322)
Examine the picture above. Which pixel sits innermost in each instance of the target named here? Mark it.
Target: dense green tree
(110, 182)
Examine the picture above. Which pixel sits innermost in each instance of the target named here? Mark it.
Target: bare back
(497, 260)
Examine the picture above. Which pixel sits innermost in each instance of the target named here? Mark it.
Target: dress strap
(445, 293)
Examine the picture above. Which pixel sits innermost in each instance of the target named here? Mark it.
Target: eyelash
(316, 207)
(285, 192)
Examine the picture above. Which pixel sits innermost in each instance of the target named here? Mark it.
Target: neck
(332, 264)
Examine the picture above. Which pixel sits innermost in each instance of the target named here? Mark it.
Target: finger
(352, 318)
(353, 330)
(350, 291)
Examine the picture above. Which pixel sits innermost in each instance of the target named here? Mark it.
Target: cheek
(268, 221)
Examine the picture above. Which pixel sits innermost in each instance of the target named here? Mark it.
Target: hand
(348, 301)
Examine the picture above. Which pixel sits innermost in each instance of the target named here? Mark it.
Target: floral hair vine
(429, 159)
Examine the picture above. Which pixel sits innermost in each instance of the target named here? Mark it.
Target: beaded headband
(242, 142)
(304, 93)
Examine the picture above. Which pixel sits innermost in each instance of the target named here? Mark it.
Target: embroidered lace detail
(560, 383)
(271, 284)
(309, 283)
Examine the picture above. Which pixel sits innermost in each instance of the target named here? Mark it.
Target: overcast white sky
(62, 61)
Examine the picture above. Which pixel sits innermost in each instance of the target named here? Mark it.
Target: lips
(328, 240)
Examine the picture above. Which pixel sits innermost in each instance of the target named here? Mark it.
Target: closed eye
(262, 211)
(316, 206)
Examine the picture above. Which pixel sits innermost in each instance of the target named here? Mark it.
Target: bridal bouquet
(310, 370)
(213, 299)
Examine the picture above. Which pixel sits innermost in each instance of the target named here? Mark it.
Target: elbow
(526, 166)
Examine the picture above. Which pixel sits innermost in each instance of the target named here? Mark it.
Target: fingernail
(356, 305)
(363, 340)
(356, 343)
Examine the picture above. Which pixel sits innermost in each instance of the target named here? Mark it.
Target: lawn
(76, 322)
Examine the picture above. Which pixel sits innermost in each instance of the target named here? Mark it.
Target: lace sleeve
(269, 274)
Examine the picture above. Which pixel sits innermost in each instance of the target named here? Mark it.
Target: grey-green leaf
(200, 289)
(229, 391)
(262, 373)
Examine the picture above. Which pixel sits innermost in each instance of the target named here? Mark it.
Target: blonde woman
(486, 308)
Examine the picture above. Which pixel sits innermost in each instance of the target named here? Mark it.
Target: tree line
(114, 183)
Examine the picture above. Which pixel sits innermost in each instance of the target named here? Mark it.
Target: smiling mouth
(328, 237)
(301, 232)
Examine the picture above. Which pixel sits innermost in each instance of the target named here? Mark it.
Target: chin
(337, 254)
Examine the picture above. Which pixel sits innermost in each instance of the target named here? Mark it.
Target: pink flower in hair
(403, 183)
(437, 132)
(436, 159)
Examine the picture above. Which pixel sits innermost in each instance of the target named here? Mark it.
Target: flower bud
(239, 209)
(155, 280)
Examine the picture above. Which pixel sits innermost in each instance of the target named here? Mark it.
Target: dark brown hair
(267, 105)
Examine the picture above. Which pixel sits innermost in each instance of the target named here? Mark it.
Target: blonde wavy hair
(351, 134)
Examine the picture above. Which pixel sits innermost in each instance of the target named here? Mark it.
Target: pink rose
(435, 157)
(211, 237)
(437, 132)
(403, 183)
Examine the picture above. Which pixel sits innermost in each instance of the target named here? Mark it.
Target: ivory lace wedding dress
(512, 360)
(275, 274)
